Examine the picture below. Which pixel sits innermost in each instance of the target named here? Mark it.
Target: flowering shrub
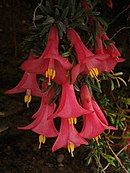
(75, 58)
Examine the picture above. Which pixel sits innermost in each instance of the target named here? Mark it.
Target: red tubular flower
(41, 125)
(110, 49)
(68, 106)
(50, 63)
(68, 137)
(94, 123)
(29, 84)
(88, 63)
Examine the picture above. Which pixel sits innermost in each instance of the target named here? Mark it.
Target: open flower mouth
(94, 72)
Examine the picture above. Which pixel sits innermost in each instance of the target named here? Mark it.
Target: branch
(120, 14)
(34, 14)
(127, 27)
(116, 156)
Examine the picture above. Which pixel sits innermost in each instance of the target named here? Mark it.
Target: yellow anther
(71, 148)
(46, 74)
(53, 74)
(75, 120)
(68, 148)
(42, 139)
(72, 121)
(27, 99)
(91, 74)
(50, 74)
(94, 72)
(97, 139)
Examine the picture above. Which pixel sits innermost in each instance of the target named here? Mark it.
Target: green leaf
(118, 83)
(45, 30)
(76, 88)
(103, 22)
(65, 13)
(61, 3)
(73, 6)
(109, 158)
(57, 12)
(112, 85)
(61, 28)
(99, 86)
(89, 161)
(79, 13)
(43, 9)
(38, 17)
(48, 7)
(128, 101)
(49, 20)
(122, 81)
(84, 28)
(118, 74)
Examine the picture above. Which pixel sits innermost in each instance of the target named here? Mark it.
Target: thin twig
(100, 165)
(34, 14)
(122, 149)
(117, 155)
(117, 158)
(120, 14)
(125, 27)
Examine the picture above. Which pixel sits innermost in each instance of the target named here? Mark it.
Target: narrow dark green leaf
(79, 13)
(112, 85)
(48, 7)
(61, 28)
(57, 12)
(43, 9)
(109, 158)
(38, 17)
(61, 3)
(65, 13)
(73, 3)
(103, 22)
(49, 20)
(45, 30)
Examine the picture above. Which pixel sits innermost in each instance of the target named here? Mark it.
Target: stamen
(27, 99)
(71, 148)
(53, 74)
(75, 120)
(42, 139)
(97, 139)
(50, 74)
(94, 72)
(72, 121)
